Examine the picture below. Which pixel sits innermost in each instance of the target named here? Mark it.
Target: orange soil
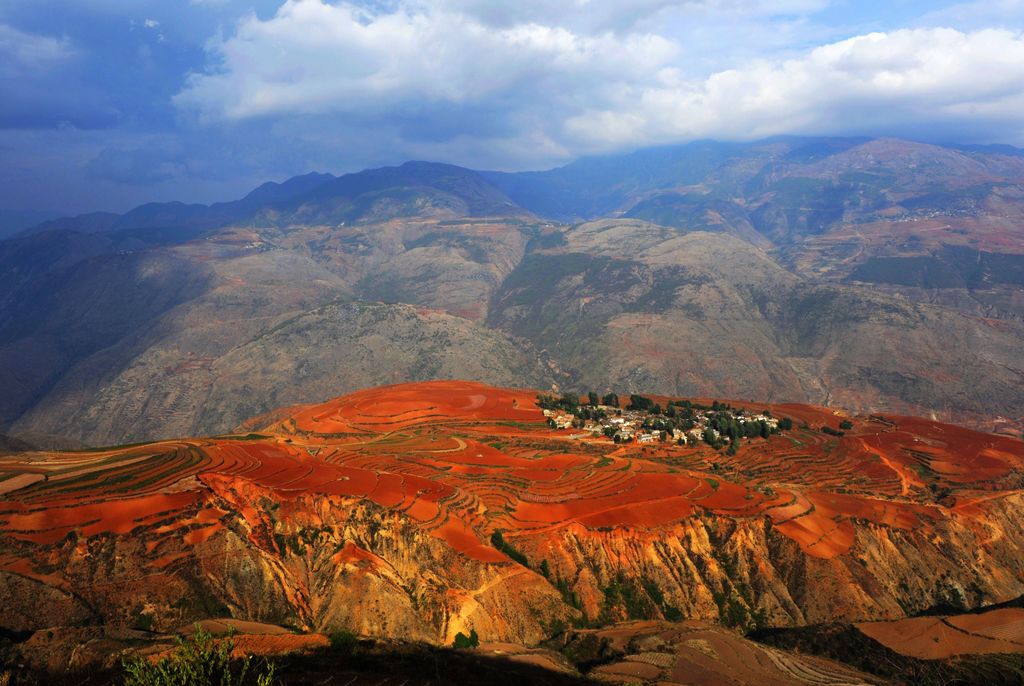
(461, 459)
(226, 625)
(1005, 625)
(693, 652)
(259, 644)
(255, 639)
(934, 638)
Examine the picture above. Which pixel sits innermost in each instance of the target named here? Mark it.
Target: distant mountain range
(15, 221)
(876, 274)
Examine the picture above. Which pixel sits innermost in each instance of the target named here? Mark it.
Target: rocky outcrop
(743, 572)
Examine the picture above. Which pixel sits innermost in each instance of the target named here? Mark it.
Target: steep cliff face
(426, 510)
(343, 563)
(745, 573)
(321, 564)
(313, 562)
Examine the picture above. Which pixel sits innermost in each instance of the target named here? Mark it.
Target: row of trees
(570, 401)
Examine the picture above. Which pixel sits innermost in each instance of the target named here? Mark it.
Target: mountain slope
(119, 334)
(259, 321)
(350, 346)
(637, 306)
(882, 275)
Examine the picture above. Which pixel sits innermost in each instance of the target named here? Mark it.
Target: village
(680, 422)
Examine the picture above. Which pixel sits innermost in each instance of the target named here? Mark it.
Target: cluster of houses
(641, 426)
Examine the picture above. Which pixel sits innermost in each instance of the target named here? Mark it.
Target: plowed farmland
(428, 509)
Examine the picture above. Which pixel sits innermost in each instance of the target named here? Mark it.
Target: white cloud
(22, 52)
(312, 57)
(524, 80)
(151, 23)
(875, 83)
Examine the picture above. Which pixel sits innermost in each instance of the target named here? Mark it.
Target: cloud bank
(111, 103)
(508, 79)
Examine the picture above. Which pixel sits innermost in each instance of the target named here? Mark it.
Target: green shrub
(343, 641)
(462, 641)
(142, 621)
(545, 569)
(198, 661)
(499, 542)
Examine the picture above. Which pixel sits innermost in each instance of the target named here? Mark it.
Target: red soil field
(462, 460)
(935, 638)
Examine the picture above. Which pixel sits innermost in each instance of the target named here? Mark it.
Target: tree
(610, 399)
(639, 402)
(785, 424)
(499, 542)
(592, 398)
(463, 642)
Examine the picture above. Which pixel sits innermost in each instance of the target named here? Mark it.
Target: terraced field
(334, 498)
(934, 638)
(696, 653)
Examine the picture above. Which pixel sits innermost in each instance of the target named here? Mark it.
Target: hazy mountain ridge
(879, 274)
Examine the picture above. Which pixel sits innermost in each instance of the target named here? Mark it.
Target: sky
(106, 104)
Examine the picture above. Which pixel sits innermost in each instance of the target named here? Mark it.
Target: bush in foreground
(200, 660)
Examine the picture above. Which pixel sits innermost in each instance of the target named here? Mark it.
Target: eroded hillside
(424, 510)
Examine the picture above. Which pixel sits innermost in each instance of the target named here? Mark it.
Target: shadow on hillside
(366, 663)
(844, 643)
